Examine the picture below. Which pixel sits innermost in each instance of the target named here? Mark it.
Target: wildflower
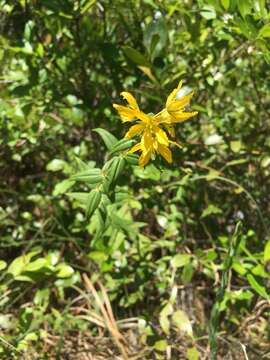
(174, 110)
(152, 128)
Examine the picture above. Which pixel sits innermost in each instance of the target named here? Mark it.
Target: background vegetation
(174, 263)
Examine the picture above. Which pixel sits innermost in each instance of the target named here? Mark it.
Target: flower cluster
(154, 129)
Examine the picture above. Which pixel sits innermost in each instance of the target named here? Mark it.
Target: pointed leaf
(109, 139)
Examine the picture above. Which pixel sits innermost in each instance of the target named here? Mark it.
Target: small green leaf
(36, 265)
(161, 345)
(135, 56)
(181, 320)
(56, 165)
(236, 145)
(180, 260)
(132, 159)
(122, 145)
(208, 12)
(18, 265)
(155, 37)
(212, 175)
(187, 273)
(239, 268)
(266, 254)
(115, 169)
(244, 7)
(81, 197)
(93, 202)
(98, 256)
(257, 287)
(62, 187)
(211, 210)
(192, 354)
(3, 265)
(163, 318)
(109, 139)
(265, 161)
(87, 6)
(64, 270)
(265, 31)
(225, 4)
(150, 172)
(90, 176)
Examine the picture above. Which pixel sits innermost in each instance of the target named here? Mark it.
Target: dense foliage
(177, 253)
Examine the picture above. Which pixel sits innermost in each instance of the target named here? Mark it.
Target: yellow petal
(161, 136)
(163, 117)
(170, 130)
(125, 113)
(147, 141)
(130, 99)
(134, 130)
(172, 95)
(144, 158)
(165, 152)
(155, 145)
(181, 116)
(135, 148)
(175, 143)
(179, 103)
(143, 117)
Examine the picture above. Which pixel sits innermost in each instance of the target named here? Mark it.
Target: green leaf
(122, 145)
(155, 37)
(93, 202)
(109, 139)
(64, 271)
(115, 169)
(18, 265)
(62, 187)
(135, 56)
(258, 270)
(98, 256)
(132, 159)
(181, 320)
(225, 4)
(90, 176)
(265, 161)
(150, 172)
(36, 265)
(3, 265)
(56, 165)
(81, 197)
(239, 268)
(264, 31)
(193, 354)
(187, 273)
(236, 145)
(266, 254)
(180, 260)
(87, 5)
(211, 210)
(244, 7)
(260, 8)
(208, 12)
(164, 318)
(161, 345)
(257, 287)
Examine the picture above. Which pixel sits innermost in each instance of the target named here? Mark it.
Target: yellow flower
(174, 109)
(154, 139)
